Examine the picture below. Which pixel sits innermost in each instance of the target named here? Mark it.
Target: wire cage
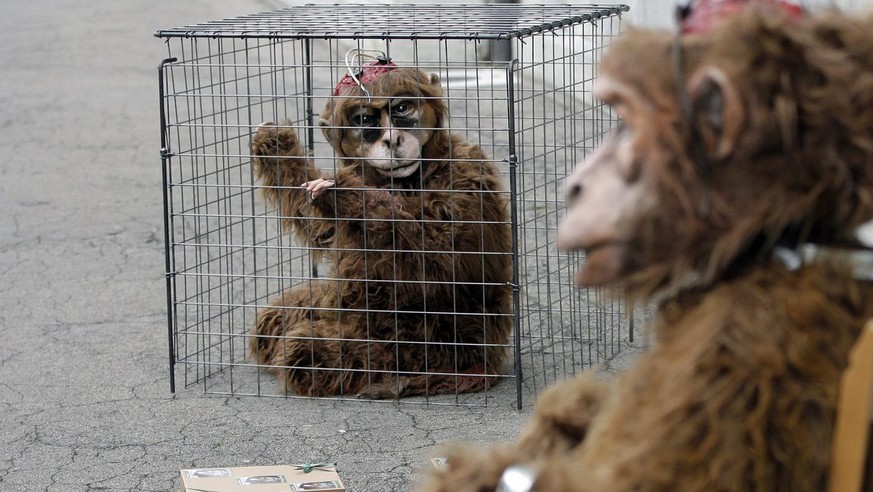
(516, 83)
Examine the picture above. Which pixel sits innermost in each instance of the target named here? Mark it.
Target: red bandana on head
(367, 73)
(701, 15)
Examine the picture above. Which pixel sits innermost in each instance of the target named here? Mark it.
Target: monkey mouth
(603, 263)
(399, 170)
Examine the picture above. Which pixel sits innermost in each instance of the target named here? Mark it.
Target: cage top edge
(400, 21)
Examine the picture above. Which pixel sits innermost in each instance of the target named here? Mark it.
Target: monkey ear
(718, 109)
(330, 132)
(331, 122)
(433, 79)
(436, 91)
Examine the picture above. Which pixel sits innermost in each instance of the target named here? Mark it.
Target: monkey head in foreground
(729, 198)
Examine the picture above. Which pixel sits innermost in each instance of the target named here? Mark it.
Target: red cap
(369, 72)
(702, 15)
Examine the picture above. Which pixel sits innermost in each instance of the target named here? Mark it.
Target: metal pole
(501, 49)
(166, 154)
(513, 193)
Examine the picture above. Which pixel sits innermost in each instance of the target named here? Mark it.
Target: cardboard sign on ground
(282, 478)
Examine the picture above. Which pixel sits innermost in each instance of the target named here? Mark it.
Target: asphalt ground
(84, 392)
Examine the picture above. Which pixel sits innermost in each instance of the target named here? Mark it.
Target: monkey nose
(392, 139)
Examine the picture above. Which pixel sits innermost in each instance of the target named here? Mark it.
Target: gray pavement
(84, 393)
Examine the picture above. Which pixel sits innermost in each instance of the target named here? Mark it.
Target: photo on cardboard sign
(322, 485)
(261, 479)
(208, 472)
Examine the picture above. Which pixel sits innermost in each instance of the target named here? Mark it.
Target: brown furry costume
(738, 214)
(420, 263)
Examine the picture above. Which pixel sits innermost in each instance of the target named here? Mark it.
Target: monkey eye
(363, 119)
(403, 114)
(402, 108)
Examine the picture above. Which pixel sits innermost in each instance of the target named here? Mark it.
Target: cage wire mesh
(517, 82)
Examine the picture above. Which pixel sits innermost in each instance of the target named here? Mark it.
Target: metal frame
(311, 24)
